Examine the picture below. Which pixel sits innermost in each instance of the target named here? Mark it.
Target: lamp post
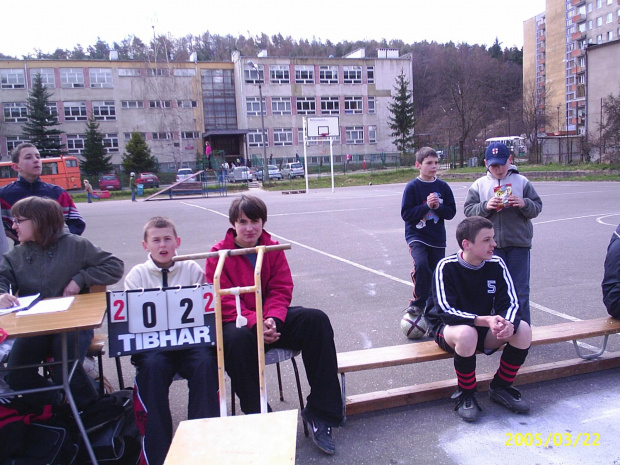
(262, 120)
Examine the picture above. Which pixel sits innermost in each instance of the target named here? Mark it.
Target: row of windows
(307, 106)
(305, 74)
(354, 135)
(17, 112)
(76, 142)
(71, 78)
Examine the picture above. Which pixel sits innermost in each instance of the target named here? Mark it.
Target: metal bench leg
(344, 398)
(119, 373)
(590, 356)
(280, 382)
(100, 362)
(299, 393)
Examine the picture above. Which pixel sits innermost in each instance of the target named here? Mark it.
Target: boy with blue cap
(510, 201)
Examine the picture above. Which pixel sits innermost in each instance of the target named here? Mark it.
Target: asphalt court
(349, 258)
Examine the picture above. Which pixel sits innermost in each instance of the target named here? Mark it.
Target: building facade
(178, 107)
(554, 57)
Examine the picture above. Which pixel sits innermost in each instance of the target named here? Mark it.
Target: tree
(138, 155)
(402, 120)
(39, 129)
(609, 129)
(96, 161)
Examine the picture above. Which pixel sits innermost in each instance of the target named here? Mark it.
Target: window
(300, 137)
(47, 77)
(370, 74)
(11, 143)
(590, 25)
(161, 135)
(127, 135)
(255, 138)
(328, 74)
(599, 39)
(12, 79)
(306, 105)
(609, 18)
(582, 27)
(16, 112)
(75, 111)
(353, 105)
(71, 78)
(352, 74)
(100, 77)
(372, 134)
(281, 106)
(110, 142)
(598, 4)
(253, 106)
(159, 103)
(354, 135)
(282, 137)
(122, 72)
(187, 103)
(599, 21)
(184, 72)
(104, 111)
(330, 105)
(132, 104)
(610, 2)
(157, 72)
(304, 74)
(75, 143)
(589, 7)
(254, 76)
(279, 74)
(52, 107)
(190, 135)
(610, 36)
(371, 105)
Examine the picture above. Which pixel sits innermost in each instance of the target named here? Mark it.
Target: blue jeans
(518, 262)
(36, 349)
(133, 194)
(425, 259)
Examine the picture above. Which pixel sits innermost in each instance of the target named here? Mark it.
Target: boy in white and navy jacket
(476, 308)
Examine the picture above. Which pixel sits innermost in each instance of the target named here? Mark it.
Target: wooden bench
(382, 357)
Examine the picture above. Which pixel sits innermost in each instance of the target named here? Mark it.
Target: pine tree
(402, 120)
(95, 161)
(39, 129)
(138, 156)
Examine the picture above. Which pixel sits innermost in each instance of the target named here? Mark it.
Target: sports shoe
(466, 405)
(509, 397)
(414, 310)
(321, 433)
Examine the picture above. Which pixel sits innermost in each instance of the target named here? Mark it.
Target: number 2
(118, 315)
(189, 303)
(209, 305)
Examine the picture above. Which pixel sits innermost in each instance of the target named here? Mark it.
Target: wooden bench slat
(381, 357)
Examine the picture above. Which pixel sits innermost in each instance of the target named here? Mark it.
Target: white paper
(24, 303)
(48, 306)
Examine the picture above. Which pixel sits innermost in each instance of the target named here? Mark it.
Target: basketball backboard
(323, 126)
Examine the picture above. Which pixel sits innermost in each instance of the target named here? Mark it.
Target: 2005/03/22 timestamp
(553, 439)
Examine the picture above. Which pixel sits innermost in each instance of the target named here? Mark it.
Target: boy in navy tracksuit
(427, 202)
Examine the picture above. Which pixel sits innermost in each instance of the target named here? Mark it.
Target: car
(148, 180)
(109, 182)
(274, 173)
(293, 170)
(184, 173)
(239, 173)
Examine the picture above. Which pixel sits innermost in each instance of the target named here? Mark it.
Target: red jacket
(276, 281)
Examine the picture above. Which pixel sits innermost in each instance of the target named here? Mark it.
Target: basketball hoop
(324, 134)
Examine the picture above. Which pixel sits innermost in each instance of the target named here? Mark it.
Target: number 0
(148, 314)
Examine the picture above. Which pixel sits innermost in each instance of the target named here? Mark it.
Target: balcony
(578, 35)
(578, 2)
(578, 18)
(577, 53)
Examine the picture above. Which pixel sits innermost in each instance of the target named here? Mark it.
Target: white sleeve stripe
(442, 299)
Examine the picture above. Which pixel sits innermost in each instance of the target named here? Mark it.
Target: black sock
(465, 368)
(509, 365)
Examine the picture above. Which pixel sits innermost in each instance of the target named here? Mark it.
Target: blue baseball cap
(496, 154)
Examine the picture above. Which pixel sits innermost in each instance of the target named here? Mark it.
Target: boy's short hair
(424, 153)
(253, 207)
(470, 227)
(159, 222)
(17, 150)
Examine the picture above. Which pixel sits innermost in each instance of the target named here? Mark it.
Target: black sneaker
(321, 434)
(509, 397)
(466, 405)
(414, 310)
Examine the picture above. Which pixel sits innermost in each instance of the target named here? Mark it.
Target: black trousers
(305, 329)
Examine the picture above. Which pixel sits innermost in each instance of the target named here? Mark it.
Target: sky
(46, 26)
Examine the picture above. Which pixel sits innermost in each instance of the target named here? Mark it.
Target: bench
(382, 357)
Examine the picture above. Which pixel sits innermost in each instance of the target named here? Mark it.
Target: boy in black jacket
(476, 308)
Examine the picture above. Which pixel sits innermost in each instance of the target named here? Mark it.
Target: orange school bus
(62, 171)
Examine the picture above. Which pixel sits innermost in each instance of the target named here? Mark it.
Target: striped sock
(465, 368)
(509, 365)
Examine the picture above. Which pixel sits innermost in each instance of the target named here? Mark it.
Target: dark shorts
(482, 334)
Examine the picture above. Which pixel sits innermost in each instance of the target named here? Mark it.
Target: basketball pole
(306, 153)
(331, 159)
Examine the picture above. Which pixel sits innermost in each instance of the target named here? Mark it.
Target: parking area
(349, 257)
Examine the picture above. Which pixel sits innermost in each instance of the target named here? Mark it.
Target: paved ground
(349, 258)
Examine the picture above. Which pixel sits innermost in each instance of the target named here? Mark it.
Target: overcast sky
(46, 25)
